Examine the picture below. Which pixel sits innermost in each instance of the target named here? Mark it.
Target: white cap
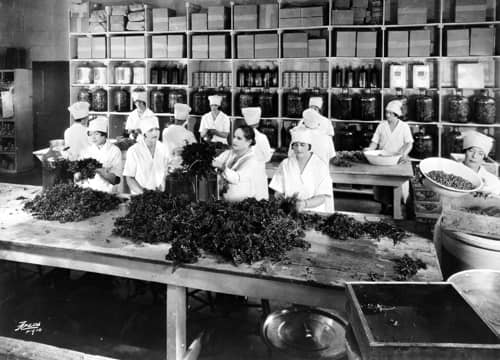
(215, 100)
(316, 101)
(181, 111)
(251, 115)
(395, 106)
(300, 134)
(139, 96)
(79, 109)
(148, 123)
(100, 123)
(474, 138)
(312, 118)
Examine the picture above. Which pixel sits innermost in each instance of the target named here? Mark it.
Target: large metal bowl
(306, 333)
(450, 167)
(381, 157)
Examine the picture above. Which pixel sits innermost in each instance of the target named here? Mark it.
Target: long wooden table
(313, 277)
(367, 174)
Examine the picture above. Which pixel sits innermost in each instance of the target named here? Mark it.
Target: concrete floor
(125, 319)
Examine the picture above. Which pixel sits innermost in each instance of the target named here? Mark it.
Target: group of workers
(304, 174)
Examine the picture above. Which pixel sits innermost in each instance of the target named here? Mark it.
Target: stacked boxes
(342, 17)
(412, 12)
(159, 46)
(217, 46)
(245, 46)
(118, 17)
(175, 46)
(177, 23)
(218, 17)
(420, 43)
(290, 17)
(245, 17)
(268, 16)
(266, 45)
(470, 10)
(358, 12)
(136, 17)
(98, 21)
(199, 45)
(199, 21)
(397, 45)
(295, 45)
(457, 42)
(301, 16)
(160, 18)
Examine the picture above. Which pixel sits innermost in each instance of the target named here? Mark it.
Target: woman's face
(141, 105)
(474, 157)
(300, 148)
(239, 141)
(214, 108)
(152, 135)
(390, 116)
(97, 138)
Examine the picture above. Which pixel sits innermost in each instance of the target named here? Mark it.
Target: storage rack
(443, 81)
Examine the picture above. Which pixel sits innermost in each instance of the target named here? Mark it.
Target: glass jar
(424, 107)
(293, 104)
(484, 108)
(368, 106)
(266, 101)
(345, 105)
(175, 96)
(200, 102)
(157, 101)
(99, 100)
(122, 100)
(453, 142)
(268, 128)
(458, 108)
(245, 99)
(423, 146)
(84, 94)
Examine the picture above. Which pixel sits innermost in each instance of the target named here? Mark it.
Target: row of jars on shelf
(254, 76)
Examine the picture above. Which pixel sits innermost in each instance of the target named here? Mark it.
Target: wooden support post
(176, 322)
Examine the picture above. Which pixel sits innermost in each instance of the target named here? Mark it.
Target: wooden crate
(410, 321)
(457, 217)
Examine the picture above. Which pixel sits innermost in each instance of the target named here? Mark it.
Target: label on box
(293, 79)
(312, 79)
(470, 76)
(397, 76)
(421, 76)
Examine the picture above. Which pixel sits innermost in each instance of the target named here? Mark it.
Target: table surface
(312, 277)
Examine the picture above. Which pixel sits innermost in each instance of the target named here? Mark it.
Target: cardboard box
(199, 46)
(482, 41)
(470, 10)
(359, 15)
(245, 46)
(470, 76)
(99, 47)
(345, 42)
(366, 44)
(294, 45)
(457, 42)
(420, 43)
(245, 17)
(316, 47)
(177, 23)
(83, 48)
(397, 76)
(291, 22)
(160, 18)
(412, 12)
(360, 4)
(159, 46)
(268, 16)
(266, 46)
(292, 12)
(199, 21)
(218, 17)
(116, 23)
(421, 76)
(342, 17)
(175, 46)
(397, 45)
(312, 21)
(217, 46)
(342, 4)
(117, 47)
(311, 11)
(119, 9)
(134, 47)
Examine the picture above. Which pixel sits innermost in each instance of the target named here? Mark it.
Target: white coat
(322, 145)
(325, 125)
(175, 137)
(77, 139)
(134, 119)
(149, 171)
(241, 175)
(263, 153)
(220, 123)
(491, 183)
(314, 180)
(110, 156)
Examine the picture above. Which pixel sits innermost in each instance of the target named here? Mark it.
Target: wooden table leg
(176, 322)
(396, 203)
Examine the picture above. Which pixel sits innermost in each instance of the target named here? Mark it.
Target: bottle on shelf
(362, 77)
(242, 76)
(84, 94)
(266, 101)
(458, 108)
(174, 75)
(175, 96)
(423, 146)
(200, 102)
(268, 128)
(99, 100)
(366, 136)
(155, 77)
(121, 99)
(293, 103)
(258, 80)
(345, 105)
(182, 74)
(123, 75)
(424, 107)
(165, 75)
(266, 77)
(157, 101)
(249, 80)
(338, 78)
(484, 108)
(368, 105)
(274, 76)
(344, 140)
(453, 142)
(139, 74)
(373, 76)
(84, 74)
(286, 137)
(245, 99)
(349, 77)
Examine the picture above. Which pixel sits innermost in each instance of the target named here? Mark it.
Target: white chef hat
(395, 106)
(139, 95)
(100, 123)
(148, 123)
(316, 101)
(251, 115)
(301, 134)
(215, 100)
(181, 111)
(474, 138)
(312, 119)
(79, 109)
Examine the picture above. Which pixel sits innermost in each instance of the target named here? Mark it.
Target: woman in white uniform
(305, 175)
(322, 144)
(76, 136)
(133, 124)
(239, 167)
(109, 155)
(325, 125)
(261, 149)
(394, 136)
(175, 137)
(215, 125)
(147, 160)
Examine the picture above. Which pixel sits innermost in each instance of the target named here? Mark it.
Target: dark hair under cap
(248, 133)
